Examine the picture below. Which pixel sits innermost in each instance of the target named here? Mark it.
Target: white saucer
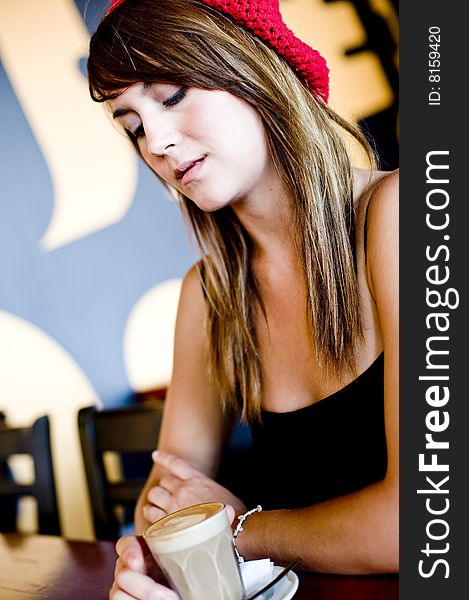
(284, 589)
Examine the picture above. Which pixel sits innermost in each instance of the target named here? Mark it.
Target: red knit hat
(263, 18)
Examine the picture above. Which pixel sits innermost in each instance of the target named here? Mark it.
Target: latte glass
(194, 548)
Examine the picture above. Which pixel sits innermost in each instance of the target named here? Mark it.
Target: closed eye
(136, 134)
(176, 97)
(139, 132)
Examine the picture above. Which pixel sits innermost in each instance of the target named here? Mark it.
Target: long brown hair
(188, 43)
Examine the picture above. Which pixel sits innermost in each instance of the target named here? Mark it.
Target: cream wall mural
(92, 249)
(148, 337)
(41, 44)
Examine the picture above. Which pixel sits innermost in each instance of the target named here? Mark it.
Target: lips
(187, 171)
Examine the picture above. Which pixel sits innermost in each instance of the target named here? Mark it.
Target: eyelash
(139, 132)
(171, 101)
(177, 97)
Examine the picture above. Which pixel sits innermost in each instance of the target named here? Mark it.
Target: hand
(182, 486)
(132, 575)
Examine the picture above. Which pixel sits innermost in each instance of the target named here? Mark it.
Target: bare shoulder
(384, 196)
(382, 229)
(192, 297)
(374, 187)
(191, 282)
(191, 310)
(377, 200)
(383, 206)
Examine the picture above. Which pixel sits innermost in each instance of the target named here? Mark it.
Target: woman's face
(209, 145)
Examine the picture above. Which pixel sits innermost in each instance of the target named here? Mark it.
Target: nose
(161, 138)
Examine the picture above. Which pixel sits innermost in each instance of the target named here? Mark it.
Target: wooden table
(51, 568)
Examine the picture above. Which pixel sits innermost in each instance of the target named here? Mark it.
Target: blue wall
(80, 293)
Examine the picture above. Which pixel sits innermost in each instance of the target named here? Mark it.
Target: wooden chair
(33, 441)
(131, 432)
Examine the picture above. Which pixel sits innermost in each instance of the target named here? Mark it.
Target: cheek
(201, 126)
(247, 134)
(240, 141)
(231, 131)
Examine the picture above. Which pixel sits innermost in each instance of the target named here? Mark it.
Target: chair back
(131, 432)
(33, 441)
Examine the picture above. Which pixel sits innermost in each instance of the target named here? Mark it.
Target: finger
(142, 586)
(176, 465)
(230, 512)
(119, 565)
(120, 595)
(150, 563)
(170, 482)
(152, 513)
(160, 497)
(113, 590)
(115, 593)
(131, 552)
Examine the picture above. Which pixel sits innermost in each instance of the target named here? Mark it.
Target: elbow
(384, 531)
(377, 551)
(379, 554)
(384, 551)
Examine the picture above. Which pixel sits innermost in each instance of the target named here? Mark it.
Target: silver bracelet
(239, 528)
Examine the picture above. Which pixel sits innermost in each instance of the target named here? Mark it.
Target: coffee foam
(187, 527)
(178, 523)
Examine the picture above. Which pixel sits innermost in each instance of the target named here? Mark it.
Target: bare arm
(194, 427)
(358, 532)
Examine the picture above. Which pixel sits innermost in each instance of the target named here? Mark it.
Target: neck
(267, 218)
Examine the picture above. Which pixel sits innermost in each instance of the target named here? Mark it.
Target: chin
(210, 205)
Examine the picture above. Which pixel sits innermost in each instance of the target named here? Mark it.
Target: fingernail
(156, 454)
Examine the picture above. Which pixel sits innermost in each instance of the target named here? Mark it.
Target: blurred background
(92, 250)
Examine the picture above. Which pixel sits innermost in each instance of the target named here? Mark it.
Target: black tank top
(332, 447)
(327, 449)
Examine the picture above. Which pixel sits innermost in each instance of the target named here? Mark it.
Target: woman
(291, 316)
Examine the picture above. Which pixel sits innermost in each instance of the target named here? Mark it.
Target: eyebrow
(120, 112)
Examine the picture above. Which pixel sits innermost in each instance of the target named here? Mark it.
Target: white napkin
(256, 573)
